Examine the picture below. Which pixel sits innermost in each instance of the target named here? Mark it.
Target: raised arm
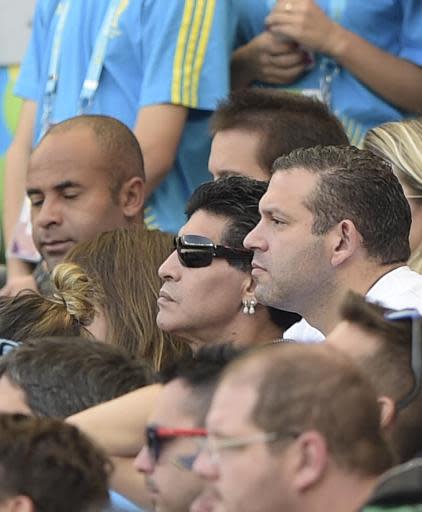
(159, 129)
(395, 79)
(118, 426)
(17, 157)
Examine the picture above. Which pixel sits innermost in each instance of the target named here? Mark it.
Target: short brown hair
(284, 121)
(317, 388)
(53, 464)
(62, 376)
(357, 185)
(388, 367)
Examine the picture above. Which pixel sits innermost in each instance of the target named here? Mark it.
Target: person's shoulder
(399, 489)
(302, 332)
(400, 288)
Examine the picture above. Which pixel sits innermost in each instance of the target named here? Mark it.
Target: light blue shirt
(392, 25)
(160, 51)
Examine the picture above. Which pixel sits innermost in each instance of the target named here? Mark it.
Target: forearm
(14, 188)
(159, 129)
(395, 79)
(118, 426)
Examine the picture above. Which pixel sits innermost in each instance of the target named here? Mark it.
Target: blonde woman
(123, 264)
(401, 144)
(66, 313)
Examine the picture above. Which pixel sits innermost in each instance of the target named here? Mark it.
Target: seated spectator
(177, 419)
(48, 466)
(254, 126)
(298, 427)
(401, 144)
(333, 219)
(122, 266)
(383, 347)
(208, 294)
(60, 376)
(84, 177)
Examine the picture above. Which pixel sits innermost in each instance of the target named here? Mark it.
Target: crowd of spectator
(213, 299)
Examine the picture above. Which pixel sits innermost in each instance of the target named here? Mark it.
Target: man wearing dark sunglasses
(177, 422)
(208, 294)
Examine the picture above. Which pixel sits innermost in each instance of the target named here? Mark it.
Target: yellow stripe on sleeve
(191, 50)
(176, 86)
(202, 49)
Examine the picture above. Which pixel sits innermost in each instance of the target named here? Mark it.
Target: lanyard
(92, 78)
(329, 68)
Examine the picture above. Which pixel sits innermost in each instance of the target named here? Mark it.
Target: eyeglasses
(215, 445)
(196, 251)
(156, 435)
(414, 196)
(7, 345)
(416, 351)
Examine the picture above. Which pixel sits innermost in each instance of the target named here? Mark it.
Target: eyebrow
(59, 187)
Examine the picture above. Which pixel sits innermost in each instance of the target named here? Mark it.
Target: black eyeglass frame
(196, 245)
(416, 352)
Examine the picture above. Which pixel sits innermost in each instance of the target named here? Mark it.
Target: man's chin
(206, 502)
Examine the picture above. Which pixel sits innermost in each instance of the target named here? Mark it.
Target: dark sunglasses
(156, 435)
(198, 251)
(416, 358)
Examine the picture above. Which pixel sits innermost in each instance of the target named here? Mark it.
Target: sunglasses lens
(195, 258)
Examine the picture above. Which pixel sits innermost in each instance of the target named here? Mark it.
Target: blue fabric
(119, 503)
(392, 25)
(159, 52)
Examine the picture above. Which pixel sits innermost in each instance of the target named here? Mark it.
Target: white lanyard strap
(96, 63)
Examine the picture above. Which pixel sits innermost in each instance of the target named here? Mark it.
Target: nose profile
(253, 240)
(170, 268)
(47, 214)
(143, 462)
(205, 466)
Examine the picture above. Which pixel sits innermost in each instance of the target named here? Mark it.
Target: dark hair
(122, 153)
(388, 367)
(201, 372)
(302, 387)
(62, 376)
(284, 121)
(53, 464)
(236, 198)
(357, 185)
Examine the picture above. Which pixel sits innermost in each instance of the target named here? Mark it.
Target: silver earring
(249, 306)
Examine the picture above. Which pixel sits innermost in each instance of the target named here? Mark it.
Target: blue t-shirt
(119, 503)
(159, 51)
(392, 25)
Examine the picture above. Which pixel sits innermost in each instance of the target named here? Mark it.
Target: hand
(305, 23)
(15, 284)
(271, 60)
